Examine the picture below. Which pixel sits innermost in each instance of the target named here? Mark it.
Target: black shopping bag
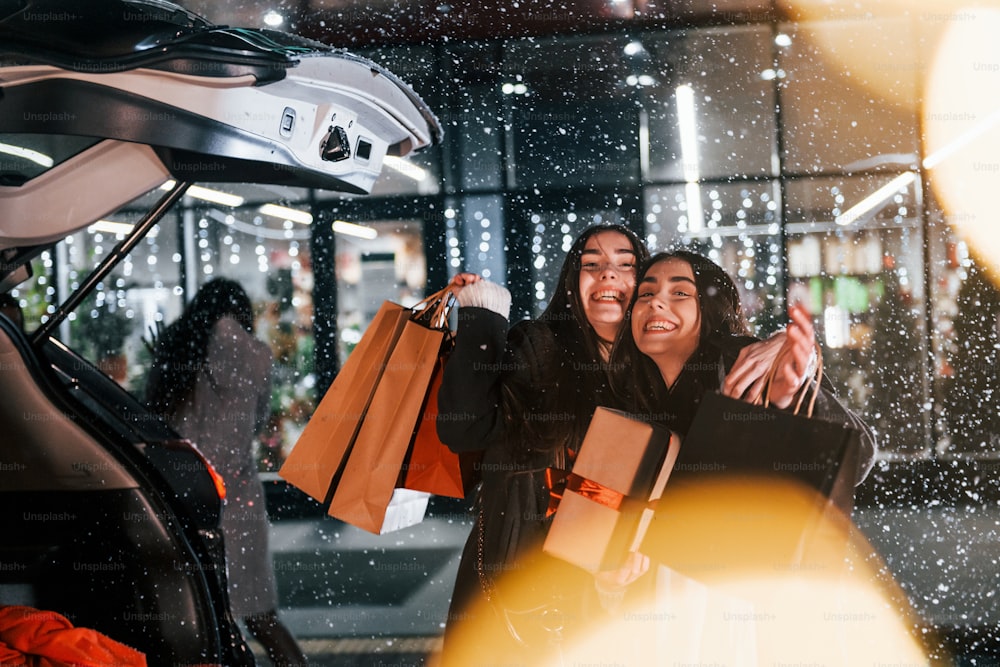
(755, 487)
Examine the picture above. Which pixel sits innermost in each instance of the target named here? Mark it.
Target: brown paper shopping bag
(430, 466)
(318, 454)
(363, 492)
(373, 467)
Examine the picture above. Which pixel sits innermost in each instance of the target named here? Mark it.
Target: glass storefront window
(710, 102)
(845, 107)
(543, 232)
(966, 340)
(572, 112)
(471, 121)
(419, 173)
(476, 235)
(266, 250)
(389, 264)
(785, 148)
(115, 324)
(736, 225)
(855, 257)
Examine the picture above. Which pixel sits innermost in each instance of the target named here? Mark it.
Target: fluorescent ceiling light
(28, 154)
(285, 213)
(696, 215)
(687, 125)
(688, 129)
(351, 229)
(206, 194)
(634, 48)
(111, 227)
(636, 80)
(875, 200)
(407, 169)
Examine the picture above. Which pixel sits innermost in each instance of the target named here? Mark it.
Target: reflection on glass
(551, 235)
(736, 225)
(710, 104)
(419, 173)
(855, 257)
(472, 122)
(572, 113)
(476, 241)
(416, 174)
(854, 116)
(966, 338)
(116, 324)
(266, 249)
(109, 327)
(389, 266)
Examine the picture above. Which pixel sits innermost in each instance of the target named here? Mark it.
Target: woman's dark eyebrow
(671, 279)
(618, 251)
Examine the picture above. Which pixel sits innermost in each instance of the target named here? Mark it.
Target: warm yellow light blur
(940, 59)
(748, 571)
(961, 121)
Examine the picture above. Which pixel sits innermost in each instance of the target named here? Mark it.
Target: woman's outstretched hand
(794, 359)
(748, 376)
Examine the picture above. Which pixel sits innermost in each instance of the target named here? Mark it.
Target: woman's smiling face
(607, 278)
(666, 317)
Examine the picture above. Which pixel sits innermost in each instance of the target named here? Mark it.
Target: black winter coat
(506, 394)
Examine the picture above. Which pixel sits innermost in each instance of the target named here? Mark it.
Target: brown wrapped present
(620, 471)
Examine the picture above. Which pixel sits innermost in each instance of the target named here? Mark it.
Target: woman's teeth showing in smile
(609, 295)
(659, 325)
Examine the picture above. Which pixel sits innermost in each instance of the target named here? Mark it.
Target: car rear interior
(81, 537)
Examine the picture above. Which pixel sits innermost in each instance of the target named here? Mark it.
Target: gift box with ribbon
(604, 503)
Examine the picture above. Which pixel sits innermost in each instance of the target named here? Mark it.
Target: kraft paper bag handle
(816, 376)
(434, 309)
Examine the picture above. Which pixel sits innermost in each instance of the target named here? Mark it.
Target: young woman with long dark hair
(683, 332)
(524, 397)
(211, 380)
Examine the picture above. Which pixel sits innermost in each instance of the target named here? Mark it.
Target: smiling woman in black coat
(525, 398)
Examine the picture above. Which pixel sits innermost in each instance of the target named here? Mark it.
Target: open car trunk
(111, 519)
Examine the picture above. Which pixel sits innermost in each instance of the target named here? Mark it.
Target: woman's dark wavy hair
(179, 354)
(721, 317)
(577, 361)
